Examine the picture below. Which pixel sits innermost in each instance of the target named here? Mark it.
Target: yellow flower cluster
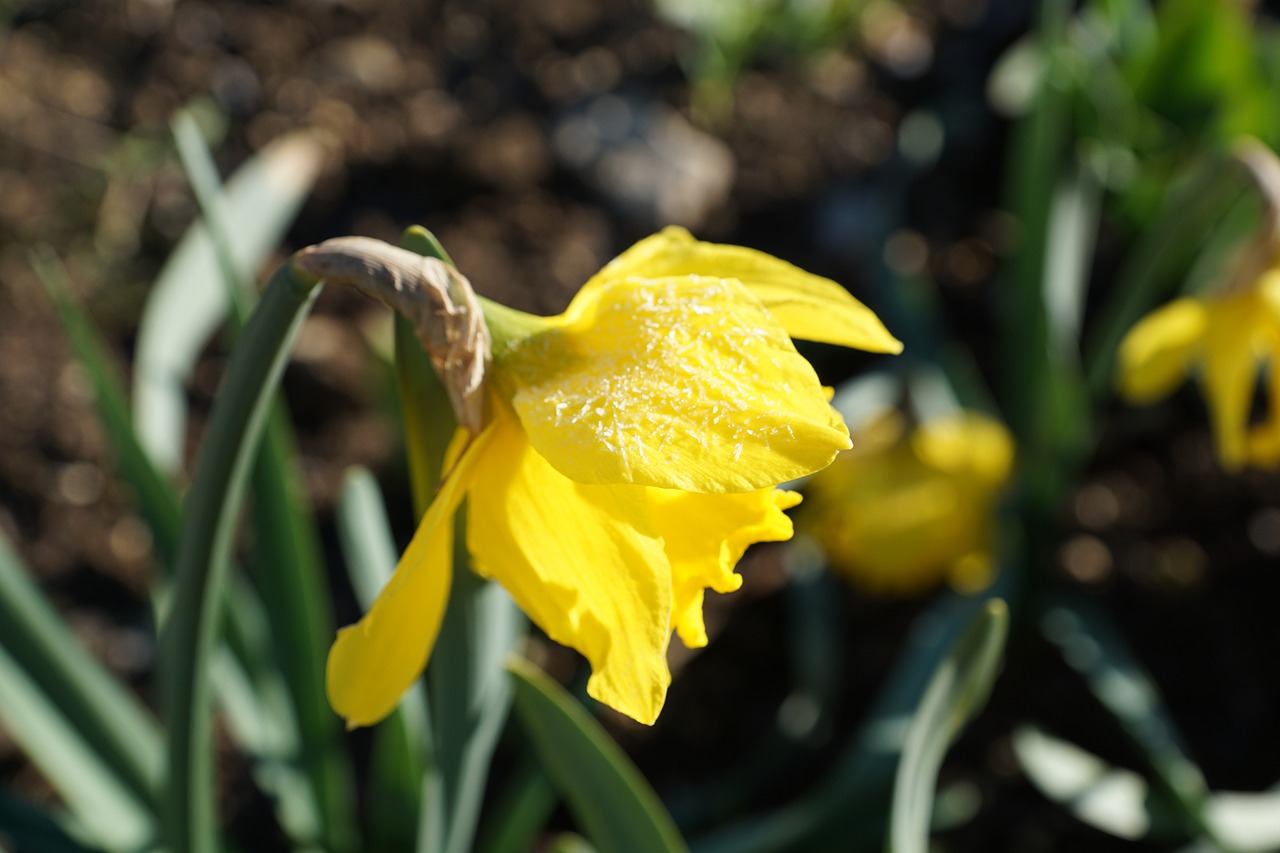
(632, 452)
(906, 509)
(1228, 336)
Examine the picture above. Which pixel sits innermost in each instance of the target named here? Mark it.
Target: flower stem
(470, 694)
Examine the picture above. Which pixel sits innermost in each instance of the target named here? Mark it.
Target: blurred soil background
(537, 138)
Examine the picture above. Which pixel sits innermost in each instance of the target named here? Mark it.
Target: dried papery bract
(1229, 336)
(432, 295)
(1263, 251)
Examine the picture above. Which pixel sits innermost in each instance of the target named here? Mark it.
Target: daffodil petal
(968, 444)
(584, 562)
(1156, 354)
(373, 662)
(679, 383)
(1230, 371)
(705, 537)
(808, 306)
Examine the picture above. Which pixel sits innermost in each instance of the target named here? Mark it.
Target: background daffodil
(1228, 336)
(631, 454)
(907, 508)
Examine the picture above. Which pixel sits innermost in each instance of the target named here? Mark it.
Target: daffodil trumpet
(630, 451)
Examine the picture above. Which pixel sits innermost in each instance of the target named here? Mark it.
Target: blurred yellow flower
(906, 509)
(631, 455)
(1228, 336)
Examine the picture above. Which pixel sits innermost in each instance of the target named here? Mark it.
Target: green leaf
(1091, 646)
(157, 499)
(1040, 143)
(99, 799)
(401, 742)
(1197, 198)
(520, 811)
(1017, 77)
(957, 691)
(24, 827)
(189, 299)
(1113, 799)
(289, 576)
(1062, 420)
(208, 526)
(250, 684)
(853, 800)
(258, 709)
(1245, 822)
(365, 535)
(1123, 803)
(123, 734)
(202, 173)
(568, 842)
(286, 558)
(613, 805)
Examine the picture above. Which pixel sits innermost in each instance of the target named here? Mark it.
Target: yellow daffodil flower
(1228, 336)
(906, 509)
(631, 454)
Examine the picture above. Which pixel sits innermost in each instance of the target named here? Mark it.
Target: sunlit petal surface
(808, 306)
(585, 562)
(680, 383)
(633, 455)
(705, 537)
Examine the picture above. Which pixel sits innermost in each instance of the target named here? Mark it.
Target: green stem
(470, 694)
(1038, 146)
(208, 526)
(1190, 209)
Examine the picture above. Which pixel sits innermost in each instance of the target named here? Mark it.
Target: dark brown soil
(467, 117)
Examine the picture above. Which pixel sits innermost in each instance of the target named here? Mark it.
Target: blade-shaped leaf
(157, 498)
(189, 299)
(286, 562)
(401, 743)
(123, 734)
(289, 576)
(1195, 199)
(957, 691)
(1092, 647)
(1246, 822)
(853, 800)
(209, 521)
(1110, 798)
(249, 682)
(24, 827)
(1125, 804)
(612, 803)
(99, 799)
(520, 811)
(365, 535)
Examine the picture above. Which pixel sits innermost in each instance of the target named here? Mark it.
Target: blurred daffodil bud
(910, 507)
